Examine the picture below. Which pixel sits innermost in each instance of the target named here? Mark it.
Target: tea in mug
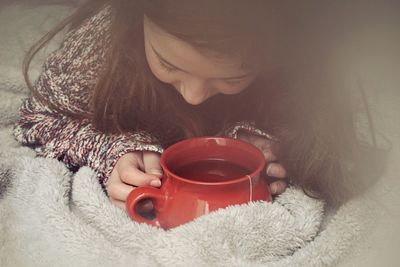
(212, 170)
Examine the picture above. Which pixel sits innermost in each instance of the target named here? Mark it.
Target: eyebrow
(177, 68)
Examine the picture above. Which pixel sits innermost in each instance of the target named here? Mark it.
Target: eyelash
(171, 69)
(166, 67)
(233, 82)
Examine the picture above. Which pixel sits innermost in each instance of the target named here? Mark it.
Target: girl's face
(195, 76)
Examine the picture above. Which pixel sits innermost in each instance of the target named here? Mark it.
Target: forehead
(187, 57)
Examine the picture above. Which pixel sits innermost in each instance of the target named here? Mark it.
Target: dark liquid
(212, 170)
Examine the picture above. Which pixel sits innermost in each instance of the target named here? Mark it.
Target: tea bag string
(250, 187)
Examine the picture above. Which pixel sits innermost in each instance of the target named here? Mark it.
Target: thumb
(151, 162)
(156, 172)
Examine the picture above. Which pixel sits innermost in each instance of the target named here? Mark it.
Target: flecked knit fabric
(67, 81)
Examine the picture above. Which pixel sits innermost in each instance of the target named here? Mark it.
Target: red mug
(202, 175)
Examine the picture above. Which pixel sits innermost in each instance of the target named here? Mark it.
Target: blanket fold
(51, 217)
(49, 205)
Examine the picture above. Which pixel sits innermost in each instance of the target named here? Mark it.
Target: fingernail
(155, 183)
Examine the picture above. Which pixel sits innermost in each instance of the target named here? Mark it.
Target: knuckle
(266, 146)
(111, 190)
(135, 180)
(130, 157)
(124, 158)
(268, 155)
(151, 153)
(151, 157)
(154, 171)
(282, 171)
(276, 170)
(125, 176)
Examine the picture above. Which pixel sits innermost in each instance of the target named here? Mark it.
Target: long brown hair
(297, 100)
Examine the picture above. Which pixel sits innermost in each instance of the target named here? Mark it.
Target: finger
(119, 190)
(276, 170)
(151, 161)
(268, 155)
(130, 173)
(113, 178)
(119, 204)
(263, 144)
(133, 176)
(278, 187)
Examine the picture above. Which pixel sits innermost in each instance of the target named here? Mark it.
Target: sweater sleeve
(76, 142)
(249, 127)
(66, 81)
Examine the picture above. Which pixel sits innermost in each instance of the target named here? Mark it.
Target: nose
(195, 91)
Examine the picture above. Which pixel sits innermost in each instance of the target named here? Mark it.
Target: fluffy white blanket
(50, 217)
(53, 218)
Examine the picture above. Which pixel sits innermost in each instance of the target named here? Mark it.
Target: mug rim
(259, 168)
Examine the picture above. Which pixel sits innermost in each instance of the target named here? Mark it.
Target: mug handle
(140, 193)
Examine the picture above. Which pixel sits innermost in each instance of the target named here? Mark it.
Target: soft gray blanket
(53, 218)
(50, 217)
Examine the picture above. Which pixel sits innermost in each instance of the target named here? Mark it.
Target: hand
(132, 170)
(274, 169)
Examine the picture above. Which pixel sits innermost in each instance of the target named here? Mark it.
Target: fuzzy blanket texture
(51, 217)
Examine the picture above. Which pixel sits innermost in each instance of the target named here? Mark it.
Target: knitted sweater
(67, 80)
